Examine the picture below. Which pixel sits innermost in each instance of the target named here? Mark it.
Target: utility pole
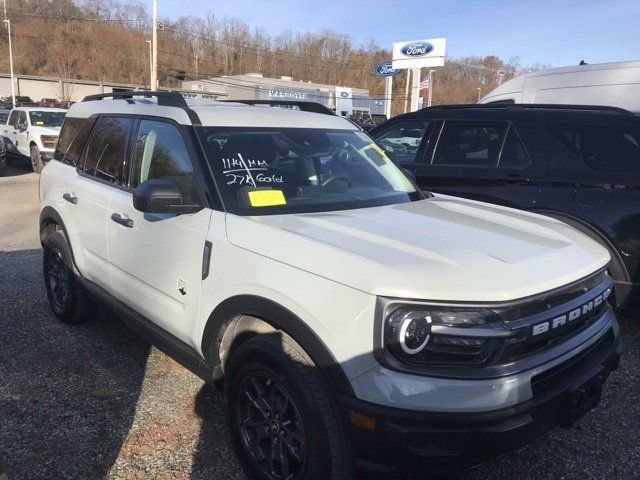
(479, 94)
(500, 77)
(13, 83)
(154, 48)
(148, 42)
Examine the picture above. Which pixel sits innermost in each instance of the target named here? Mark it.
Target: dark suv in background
(579, 164)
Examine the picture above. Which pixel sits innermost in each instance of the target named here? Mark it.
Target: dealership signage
(344, 101)
(386, 70)
(288, 94)
(419, 53)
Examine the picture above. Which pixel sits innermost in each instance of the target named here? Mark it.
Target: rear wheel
(282, 420)
(36, 159)
(67, 298)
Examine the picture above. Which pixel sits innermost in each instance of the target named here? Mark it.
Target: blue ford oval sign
(386, 69)
(344, 94)
(417, 49)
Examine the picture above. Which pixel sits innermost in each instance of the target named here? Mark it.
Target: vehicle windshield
(42, 118)
(262, 171)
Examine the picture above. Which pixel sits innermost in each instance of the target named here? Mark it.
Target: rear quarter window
(73, 137)
(605, 148)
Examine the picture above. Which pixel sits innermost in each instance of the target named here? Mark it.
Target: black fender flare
(281, 319)
(48, 216)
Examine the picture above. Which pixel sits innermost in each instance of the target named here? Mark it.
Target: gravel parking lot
(95, 401)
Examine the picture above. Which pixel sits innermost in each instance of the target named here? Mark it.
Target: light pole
(430, 97)
(479, 94)
(148, 42)
(13, 83)
(154, 54)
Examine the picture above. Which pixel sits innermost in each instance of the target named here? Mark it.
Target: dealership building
(253, 86)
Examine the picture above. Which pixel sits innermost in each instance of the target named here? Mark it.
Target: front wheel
(36, 159)
(281, 418)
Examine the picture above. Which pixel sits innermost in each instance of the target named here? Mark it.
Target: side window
(469, 143)
(22, 118)
(160, 152)
(104, 156)
(13, 118)
(73, 137)
(403, 138)
(606, 148)
(513, 153)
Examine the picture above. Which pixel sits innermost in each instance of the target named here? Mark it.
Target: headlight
(49, 141)
(443, 336)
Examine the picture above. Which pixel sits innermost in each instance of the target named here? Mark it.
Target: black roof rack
(165, 99)
(303, 106)
(533, 106)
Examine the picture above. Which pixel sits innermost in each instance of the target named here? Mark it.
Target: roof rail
(165, 99)
(533, 106)
(303, 106)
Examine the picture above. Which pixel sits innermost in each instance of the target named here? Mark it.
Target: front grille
(533, 344)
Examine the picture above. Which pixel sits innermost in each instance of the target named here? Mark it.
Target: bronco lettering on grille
(572, 315)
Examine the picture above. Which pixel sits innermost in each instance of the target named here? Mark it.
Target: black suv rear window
(607, 148)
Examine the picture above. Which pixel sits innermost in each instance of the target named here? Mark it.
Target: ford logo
(417, 49)
(386, 69)
(344, 94)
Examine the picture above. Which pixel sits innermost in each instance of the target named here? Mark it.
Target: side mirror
(161, 195)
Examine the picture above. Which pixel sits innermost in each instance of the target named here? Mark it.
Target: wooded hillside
(104, 40)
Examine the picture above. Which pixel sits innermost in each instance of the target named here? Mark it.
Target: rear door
(88, 192)
(484, 160)
(156, 259)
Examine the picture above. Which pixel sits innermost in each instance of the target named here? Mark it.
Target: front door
(482, 160)
(156, 259)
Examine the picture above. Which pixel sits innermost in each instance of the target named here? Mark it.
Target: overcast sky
(559, 32)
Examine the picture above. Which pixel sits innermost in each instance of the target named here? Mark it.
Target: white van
(613, 84)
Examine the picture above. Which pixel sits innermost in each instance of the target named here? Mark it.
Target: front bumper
(392, 439)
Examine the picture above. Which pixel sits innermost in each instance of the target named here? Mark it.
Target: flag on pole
(424, 84)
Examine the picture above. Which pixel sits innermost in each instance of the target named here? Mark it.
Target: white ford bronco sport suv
(350, 318)
(32, 132)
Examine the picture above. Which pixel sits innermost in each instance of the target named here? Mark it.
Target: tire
(296, 409)
(3, 165)
(67, 298)
(36, 159)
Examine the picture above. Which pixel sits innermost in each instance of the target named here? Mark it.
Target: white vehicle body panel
(153, 259)
(443, 248)
(610, 84)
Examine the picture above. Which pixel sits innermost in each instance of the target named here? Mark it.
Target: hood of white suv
(442, 248)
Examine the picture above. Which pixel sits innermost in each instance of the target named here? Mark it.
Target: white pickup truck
(33, 132)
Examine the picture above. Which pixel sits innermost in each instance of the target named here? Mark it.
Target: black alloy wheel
(271, 427)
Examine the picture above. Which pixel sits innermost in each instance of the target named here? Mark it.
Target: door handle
(70, 198)
(125, 222)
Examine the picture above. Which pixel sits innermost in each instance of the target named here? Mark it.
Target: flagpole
(430, 88)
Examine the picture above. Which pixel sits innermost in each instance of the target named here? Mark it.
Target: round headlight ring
(424, 332)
